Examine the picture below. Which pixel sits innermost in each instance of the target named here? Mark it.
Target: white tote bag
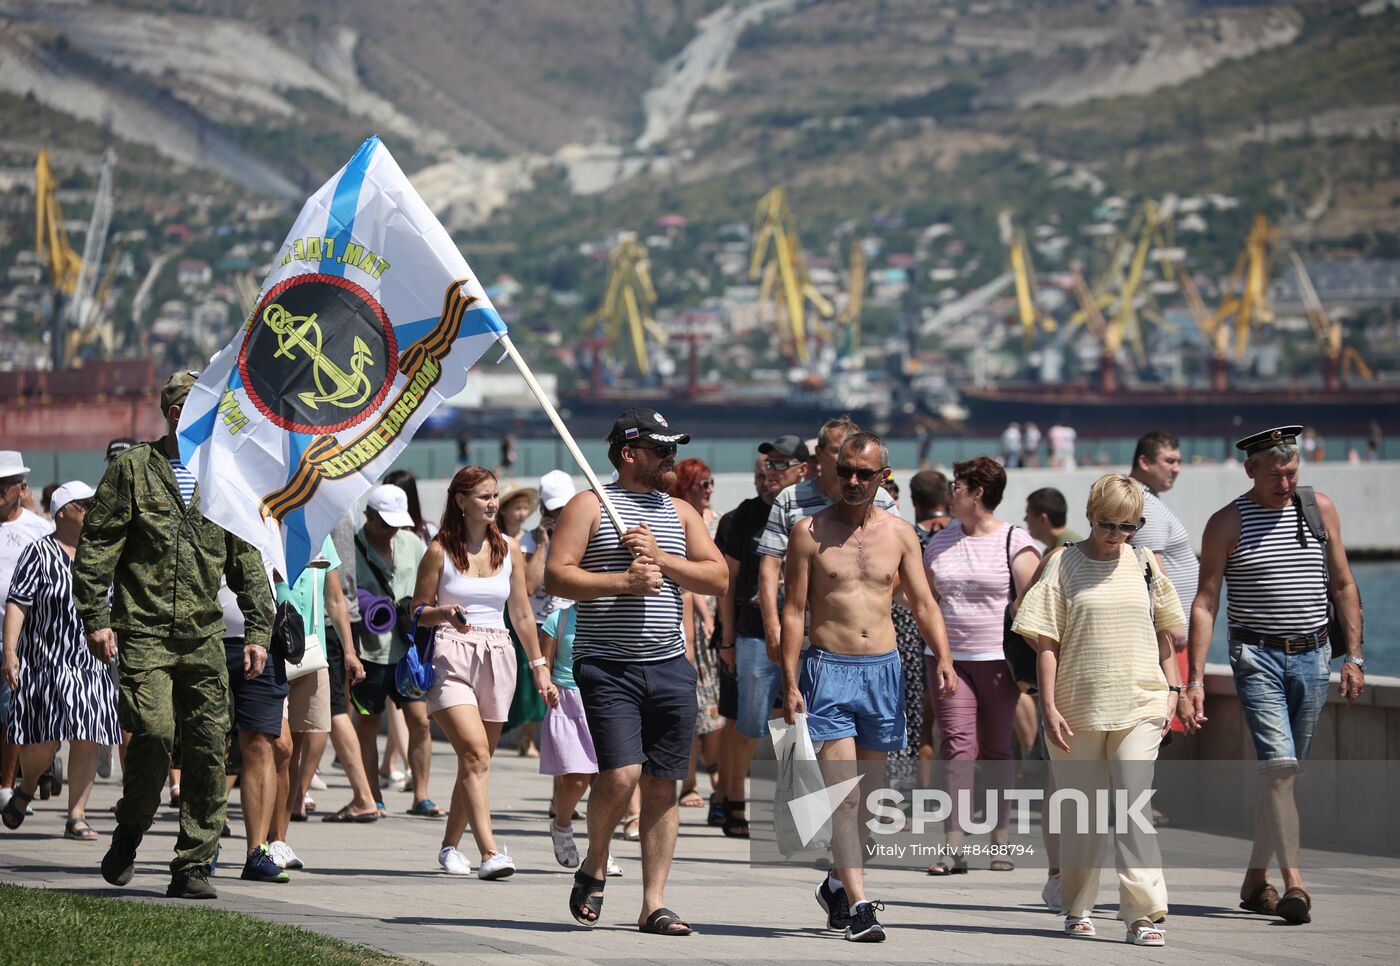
(801, 808)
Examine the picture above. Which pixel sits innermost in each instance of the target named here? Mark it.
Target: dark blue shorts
(257, 704)
(640, 714)
(854, 696)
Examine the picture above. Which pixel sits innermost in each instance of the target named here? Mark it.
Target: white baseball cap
(68, 492)
(391, 503)
(556, 489)
(11, 463)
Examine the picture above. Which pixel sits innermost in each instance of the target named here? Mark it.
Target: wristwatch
(1177, 688)
(1360, 662)
(538, 662)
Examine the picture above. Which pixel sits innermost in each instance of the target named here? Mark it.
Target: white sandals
(1080, 927)
(1152, 934)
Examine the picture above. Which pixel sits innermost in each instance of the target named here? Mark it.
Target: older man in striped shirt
(1281, 572)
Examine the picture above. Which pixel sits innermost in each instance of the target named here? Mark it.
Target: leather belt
(1298, 644)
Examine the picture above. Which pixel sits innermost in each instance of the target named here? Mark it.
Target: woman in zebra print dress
(61, 692)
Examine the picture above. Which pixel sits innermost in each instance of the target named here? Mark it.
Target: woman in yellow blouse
(1109, 686)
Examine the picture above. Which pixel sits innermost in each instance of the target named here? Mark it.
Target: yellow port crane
(1027, 287)
(786, 279)
(1247, 301)
(1152, 228)
(627, 304)
(1119, 290)
(76, 324)
(1337, 357)
(849, 317)
(1214, 331)
(50, 238)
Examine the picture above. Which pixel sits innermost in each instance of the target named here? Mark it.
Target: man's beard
(662, 480)
(860, 498)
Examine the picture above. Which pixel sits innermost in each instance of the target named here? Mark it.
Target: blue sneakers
(261, 868)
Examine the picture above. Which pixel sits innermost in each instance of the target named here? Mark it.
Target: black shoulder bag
(288, 633)
(1020, 656)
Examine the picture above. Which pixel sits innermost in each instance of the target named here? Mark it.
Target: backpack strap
(1145, 558)
(1305, 499)
(1011, 577)
(378, 572)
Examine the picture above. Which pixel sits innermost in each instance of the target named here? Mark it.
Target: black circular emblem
(320, 354)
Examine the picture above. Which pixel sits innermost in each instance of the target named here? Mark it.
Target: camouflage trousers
(162, 681)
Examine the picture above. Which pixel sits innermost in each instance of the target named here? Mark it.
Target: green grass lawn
(42, 925)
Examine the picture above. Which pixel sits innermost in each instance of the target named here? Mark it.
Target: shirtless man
(847, 561)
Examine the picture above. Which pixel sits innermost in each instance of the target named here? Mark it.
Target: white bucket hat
(12, 463)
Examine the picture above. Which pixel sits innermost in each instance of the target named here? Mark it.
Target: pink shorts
(566, 747)
(476, 668)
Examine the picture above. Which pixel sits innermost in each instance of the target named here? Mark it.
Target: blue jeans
(760, 682)
(1281, 695)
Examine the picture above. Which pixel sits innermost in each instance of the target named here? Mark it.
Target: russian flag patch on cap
(632, 433)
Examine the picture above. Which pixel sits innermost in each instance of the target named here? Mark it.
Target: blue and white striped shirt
(185, 479)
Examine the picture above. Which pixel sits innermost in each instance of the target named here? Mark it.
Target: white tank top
(483, 598)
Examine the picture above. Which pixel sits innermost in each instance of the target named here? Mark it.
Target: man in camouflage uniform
(146, 539)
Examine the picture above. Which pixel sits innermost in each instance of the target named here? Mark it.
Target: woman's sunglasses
(865, 476)
(1127, 528)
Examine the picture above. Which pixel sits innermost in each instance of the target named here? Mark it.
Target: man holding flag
(146, 538)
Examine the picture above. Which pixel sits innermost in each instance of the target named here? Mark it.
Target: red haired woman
(470, 575)
(695, 484)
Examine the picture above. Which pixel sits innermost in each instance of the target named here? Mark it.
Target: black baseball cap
(793, 447)
(119, 446)
(647, 424)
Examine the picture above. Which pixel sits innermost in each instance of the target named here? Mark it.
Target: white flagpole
(563, 432)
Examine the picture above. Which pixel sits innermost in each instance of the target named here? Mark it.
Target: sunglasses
(865, 476)
(662, 450)
(780, 466)
(706, 484)
(1127, 528)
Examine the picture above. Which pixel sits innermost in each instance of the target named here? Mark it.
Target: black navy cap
(647, 424)
(790, 446)
(1278, 436)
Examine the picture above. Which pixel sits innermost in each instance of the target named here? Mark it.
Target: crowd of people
(637, 637)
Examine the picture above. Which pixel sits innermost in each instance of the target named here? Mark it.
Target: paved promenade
(379, 885)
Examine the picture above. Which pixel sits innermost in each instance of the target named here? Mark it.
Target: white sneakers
(454, 862)
(565, 850)
(283, 855)
(1050, 895)
(613, 868)
(497, 865)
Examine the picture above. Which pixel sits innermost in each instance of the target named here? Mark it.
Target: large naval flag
(369, 319)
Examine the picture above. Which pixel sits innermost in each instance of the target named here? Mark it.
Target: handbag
(414, 674)
(1020, 656)
(288, 633)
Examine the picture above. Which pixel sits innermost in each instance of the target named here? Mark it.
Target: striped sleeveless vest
(640, 630)
(1274, 584)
